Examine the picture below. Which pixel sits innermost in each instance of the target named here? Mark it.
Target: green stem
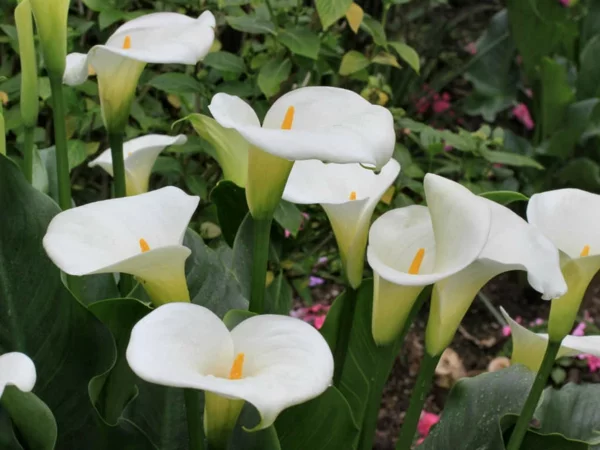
(60, 141)
(260, 259)
(271, 13)
(417, 400)
(374, 402)
(116, 149)
(193, 411)
(343, 335)
(534, 396)
(28, 153)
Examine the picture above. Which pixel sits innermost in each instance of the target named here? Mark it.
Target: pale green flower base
(220, 417)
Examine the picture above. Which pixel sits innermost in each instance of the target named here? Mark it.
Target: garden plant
(179, 177)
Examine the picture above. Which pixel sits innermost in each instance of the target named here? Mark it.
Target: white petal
(77, 69)
(452, 231)
(330, 124)
(17, 369)
(529, 347)
(569, 218)
(231, 111)
(178, 344)
(140, 155)
(99, 236)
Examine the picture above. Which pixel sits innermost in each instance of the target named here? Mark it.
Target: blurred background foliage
(501, 96)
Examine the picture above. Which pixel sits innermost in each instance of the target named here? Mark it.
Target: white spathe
(161, 38)
(349, 194)
(329, 124)
(450, 233)
(529, 347)
(570, 219)
(285, 361)
(513, 244)
(140, 235)
(17, 369)
(139, 155)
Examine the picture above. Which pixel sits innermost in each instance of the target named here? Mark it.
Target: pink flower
(426, 421)
(593, 363)
(315, 281)
(439, 106)
(579, 329)
(319, 321)
(506, 331)
(471, 48)
(322, 260)
(423, 105)
(521, 113)
(287, 233)
(565, 3)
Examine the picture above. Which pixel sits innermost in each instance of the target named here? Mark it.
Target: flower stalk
(220, 417)
(343, 335)
(60, 141)
(194, 418)
(539, 384)
(116, 147)
(260, 259)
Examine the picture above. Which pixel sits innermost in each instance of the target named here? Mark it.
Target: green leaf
(566, 136)
(230, 200)
(353, 62)
(589, 72)
(77, 153)
(231, 148)
(272, 74)
(257, 440)
(505, 197)
(176, 83)
(40, 314)
(31, 417)
(581, 173)
(301, 41)
(330, 11)
(225, 62)
(251, 24)
(510, 159)
(571, 411)
(320, 424)
(236, 316)
(408, 54)
(289, 217)
(211, 282)
(556, 96)
(375, 29)
(386, 59)
(482, 400)
(279, 296)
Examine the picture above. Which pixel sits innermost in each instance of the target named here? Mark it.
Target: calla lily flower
(139, 235)
(51, 22)
(412, 247)
(17, 369)
(349, 194)
(529, 347)
(513, 244)
(270, 361)
(140, 155)
(328, 124)
(160, 38)
(570, 219)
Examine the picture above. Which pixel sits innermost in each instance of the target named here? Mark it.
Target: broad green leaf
(212, 284)
(241, 261)
(375, 29)
(225, 62)
(510, 159)
(577, 117)
(354, 16)
(301, 41)
(505, 197)
(320, 424)
(40, 174)
(581, 173)
(279, 296)
(556, 96)
(251, 24)
(77, 153)
(258, 440)
(31, 417)
(230, 200)
(289, 217)
(176, 83)
(330, 11)
(589, 71)
(353, 62)
(41, 318)
(408, 54)
(386, 59)
(231, 148)
(571, 411)
(272, 74)
(482, 400)
(236, 316)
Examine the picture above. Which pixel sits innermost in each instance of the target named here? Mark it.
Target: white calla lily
(17, 369)
(412, 247)
(160, 38)
(139, 235)
(569, 218)
(270, 361)
(529, 347)
(513, 244)
(349, 194)
(139, 155)
(51, 22)
(328, 124)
